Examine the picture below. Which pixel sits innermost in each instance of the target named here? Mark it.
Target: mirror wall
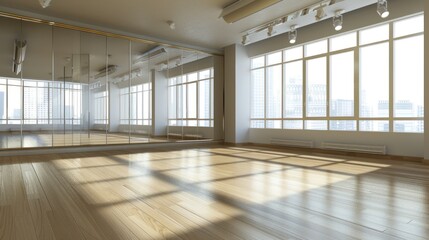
(62, 87)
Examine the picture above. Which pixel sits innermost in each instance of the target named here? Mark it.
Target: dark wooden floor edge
(112, 147)
(334, 152)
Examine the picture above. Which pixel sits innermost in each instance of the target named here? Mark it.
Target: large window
(39, 102)
(368, 80)
(101, 107)
(136, 105)
(190, 99)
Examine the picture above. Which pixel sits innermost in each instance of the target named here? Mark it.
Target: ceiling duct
(106, 71)
(45, 3)
(18, 55)
(244, 8)
(152, 53)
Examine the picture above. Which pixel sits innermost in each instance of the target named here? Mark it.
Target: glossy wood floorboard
(216, 192)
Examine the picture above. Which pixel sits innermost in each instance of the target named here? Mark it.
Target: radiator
(292, 143)
(374, 149)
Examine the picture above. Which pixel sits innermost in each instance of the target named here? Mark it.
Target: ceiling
(197, 22)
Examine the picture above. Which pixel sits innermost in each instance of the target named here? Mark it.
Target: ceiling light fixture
(306, 16)
(244, 39)
(382, 8)
(20, 47)
(320, 13)
(270, 30)
(338, 20)
(45, 3)
(293, 34)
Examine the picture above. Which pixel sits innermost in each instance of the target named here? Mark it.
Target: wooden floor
(215, 192)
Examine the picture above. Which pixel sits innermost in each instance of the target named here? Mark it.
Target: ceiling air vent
(244, 8)
(106, 71)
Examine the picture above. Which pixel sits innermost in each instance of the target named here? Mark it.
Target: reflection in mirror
(95, 47)
(37, 76)
(65, 92)
(10, 83)
(190, 95)
(118, 85)
(62, 87)
(140, 87)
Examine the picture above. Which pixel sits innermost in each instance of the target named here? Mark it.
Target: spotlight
(244, 40)
(382, 8)
(320, 13)
(338, 20)
(270, 31)
(293, 34)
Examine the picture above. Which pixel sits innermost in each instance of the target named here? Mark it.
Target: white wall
(399, 144)
(426, 156)
(402, 144)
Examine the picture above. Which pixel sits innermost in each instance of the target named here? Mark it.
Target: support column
(159, 104)
(218, 98)
(426, 84)
(237, 94)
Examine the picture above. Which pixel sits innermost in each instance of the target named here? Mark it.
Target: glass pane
(14, 101)
(257, 94)
(409, 77)
(293, 89)
(408, 26)
(293, 54)
(257, 124)
(374, 126)
(258, 62)
(274, 58)
(342, 85)
(409, 126)
(374, 81)
(192, 100)
(339, 125)
(316, 87)
(192, 77)
(276, 124)
(2, 103)
(172, 102)
(204, 99)
(374, 34)
(316, 125)
(274, 92)
(204, 74)
(316, 48)
(293, 124)
(343, 41)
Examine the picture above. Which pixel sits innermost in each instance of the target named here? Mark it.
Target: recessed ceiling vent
(244, 8)
(106, 71)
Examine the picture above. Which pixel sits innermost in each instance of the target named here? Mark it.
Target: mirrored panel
(62, 87)
(144, 57)
(12, 49)
(37, 76)
(65, 91)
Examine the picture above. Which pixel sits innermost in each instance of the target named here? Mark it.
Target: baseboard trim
(334, 152)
